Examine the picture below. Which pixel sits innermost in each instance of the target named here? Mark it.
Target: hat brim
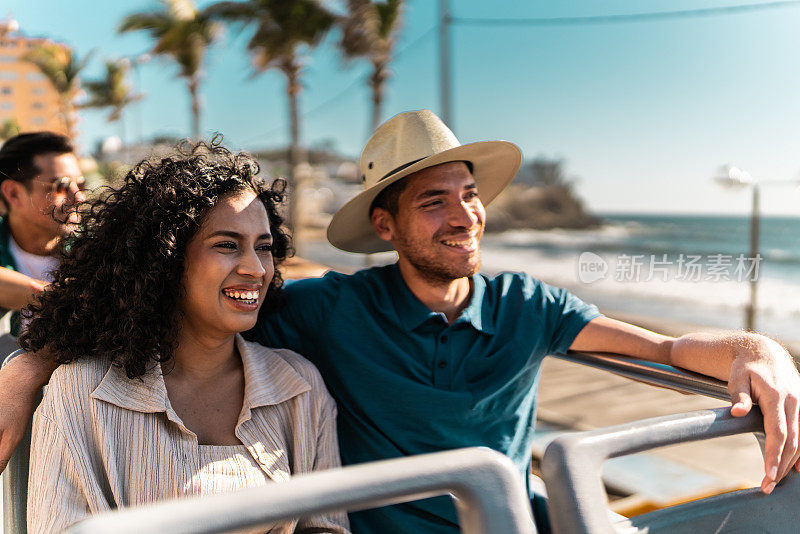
(494, 165)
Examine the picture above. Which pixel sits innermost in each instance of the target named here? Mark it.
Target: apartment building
(25, 94)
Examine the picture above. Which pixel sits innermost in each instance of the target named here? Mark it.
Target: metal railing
(15, 481)
(572, 467)
(488, 491)
(655, 374)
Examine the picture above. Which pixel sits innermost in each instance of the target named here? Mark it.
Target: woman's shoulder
(76, 380)
(84, 371)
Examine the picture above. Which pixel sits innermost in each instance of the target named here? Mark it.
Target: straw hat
(405, 144)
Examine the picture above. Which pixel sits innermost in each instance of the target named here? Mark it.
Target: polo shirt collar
(411, 312)
(479, 313)
(6, 258)
(268, 380)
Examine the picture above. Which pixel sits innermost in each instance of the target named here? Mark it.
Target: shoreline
(316, 257)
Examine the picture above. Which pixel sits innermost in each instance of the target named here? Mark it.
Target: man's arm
(756, 368)
(19, 382)
(17, 289)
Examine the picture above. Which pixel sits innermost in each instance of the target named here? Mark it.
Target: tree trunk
(69, 119)
(377, 84)
(194, 93)
(297, 155)
(124, 138)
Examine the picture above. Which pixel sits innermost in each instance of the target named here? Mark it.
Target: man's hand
(18, 290)
(763, 372)
(19, 382)
(757, 369)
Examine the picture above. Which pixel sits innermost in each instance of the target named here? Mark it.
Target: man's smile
(469, 244)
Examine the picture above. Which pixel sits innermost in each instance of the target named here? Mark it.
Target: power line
(347, 90)
(631, 17)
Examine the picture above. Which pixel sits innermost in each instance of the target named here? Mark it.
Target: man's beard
(433, 268)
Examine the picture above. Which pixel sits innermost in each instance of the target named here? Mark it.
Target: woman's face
(228, 268)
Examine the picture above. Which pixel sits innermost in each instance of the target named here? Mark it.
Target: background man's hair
(16, 154)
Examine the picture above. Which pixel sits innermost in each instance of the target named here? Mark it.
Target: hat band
(400, 168)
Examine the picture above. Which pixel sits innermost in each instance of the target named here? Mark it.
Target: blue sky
(643, 113)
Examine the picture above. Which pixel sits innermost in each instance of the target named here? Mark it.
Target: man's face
(439, 223)
(47, 201)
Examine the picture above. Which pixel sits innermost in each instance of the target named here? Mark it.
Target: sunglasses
(62, 185)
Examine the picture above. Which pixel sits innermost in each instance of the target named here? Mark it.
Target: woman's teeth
(245, 296)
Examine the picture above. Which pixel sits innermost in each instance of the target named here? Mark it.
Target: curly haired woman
(163, 397)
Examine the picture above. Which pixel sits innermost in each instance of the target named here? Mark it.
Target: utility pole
(733, 177)
(445, 87)
(755, 219)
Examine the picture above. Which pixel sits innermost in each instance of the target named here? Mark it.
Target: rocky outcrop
(541, 207)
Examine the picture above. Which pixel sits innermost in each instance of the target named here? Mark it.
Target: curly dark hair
(117, 291)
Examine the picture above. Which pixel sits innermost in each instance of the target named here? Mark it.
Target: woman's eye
(228, 245)
(265, 247)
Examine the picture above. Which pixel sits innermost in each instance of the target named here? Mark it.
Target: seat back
(15, 481)
(572, 469)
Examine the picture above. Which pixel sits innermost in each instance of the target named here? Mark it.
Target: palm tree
(9, 129)
(59, 65)
(370, 30)
(112, 91)
(183, 33)
(284, 30)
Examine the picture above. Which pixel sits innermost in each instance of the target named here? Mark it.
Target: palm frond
(112, 91)
(155, 23)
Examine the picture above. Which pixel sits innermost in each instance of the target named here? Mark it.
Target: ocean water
(714, 295)
(693, 269)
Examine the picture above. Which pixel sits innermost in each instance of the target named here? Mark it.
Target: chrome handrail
(572, 471)
(15, 480)
(489, 496)
(655, 374)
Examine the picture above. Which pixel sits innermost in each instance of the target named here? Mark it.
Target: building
(26, 95)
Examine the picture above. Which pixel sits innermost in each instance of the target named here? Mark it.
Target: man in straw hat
(427, 354)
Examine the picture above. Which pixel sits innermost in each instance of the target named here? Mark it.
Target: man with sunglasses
(40, 182)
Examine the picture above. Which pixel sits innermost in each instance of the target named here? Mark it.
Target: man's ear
(10, 190)
(383, 222)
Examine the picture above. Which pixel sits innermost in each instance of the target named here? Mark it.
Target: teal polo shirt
(7, 260)
(407, 383)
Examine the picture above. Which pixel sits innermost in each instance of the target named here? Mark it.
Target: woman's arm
(17, 289)
(55, 498)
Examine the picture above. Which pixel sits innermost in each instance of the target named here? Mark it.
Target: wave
(704, 301)
(628, 240)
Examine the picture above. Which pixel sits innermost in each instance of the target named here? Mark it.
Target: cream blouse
(103, 441)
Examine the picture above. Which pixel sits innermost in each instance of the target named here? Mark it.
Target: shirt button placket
(442, 362)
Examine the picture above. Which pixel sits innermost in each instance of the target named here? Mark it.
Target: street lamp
(734, 177)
